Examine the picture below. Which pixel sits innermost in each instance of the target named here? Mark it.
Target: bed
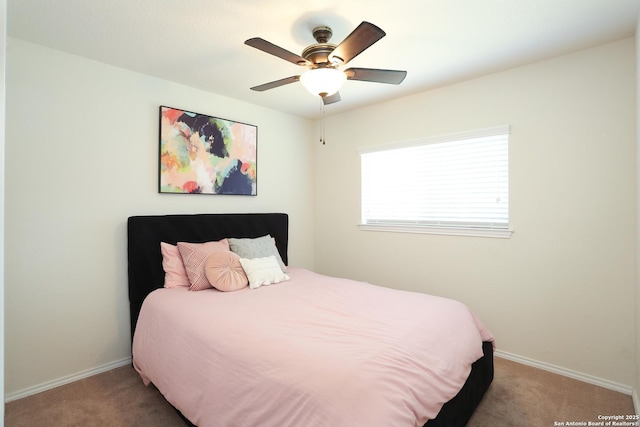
(283, 362)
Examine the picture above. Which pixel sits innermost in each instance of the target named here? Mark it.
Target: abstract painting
(200, 154)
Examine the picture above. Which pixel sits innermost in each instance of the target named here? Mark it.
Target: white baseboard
(65, 380)
(622, 388)
(636, 401)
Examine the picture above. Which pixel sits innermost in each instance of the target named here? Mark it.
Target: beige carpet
(116, 398)
(519, 396)
(524, 396)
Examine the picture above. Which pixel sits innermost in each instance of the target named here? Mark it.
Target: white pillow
(263, 271)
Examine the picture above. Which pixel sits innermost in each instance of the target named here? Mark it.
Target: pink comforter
(315, 351)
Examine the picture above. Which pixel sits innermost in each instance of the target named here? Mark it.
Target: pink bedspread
(315, 351)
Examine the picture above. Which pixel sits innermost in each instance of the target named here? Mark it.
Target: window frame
(443, 229)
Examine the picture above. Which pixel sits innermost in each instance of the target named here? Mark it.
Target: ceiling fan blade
(274, 50)
(394, 77)
(361, 38)
(331, 98)
(276, 83)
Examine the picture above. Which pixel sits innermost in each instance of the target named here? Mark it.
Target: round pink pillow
(224, 271)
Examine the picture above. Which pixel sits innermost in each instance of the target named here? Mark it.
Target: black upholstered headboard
(146, 232)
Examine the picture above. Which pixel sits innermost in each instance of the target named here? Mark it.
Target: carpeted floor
(524, 396)
(117, 398)
(519, 396)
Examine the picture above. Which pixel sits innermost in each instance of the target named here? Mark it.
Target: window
(455, 184)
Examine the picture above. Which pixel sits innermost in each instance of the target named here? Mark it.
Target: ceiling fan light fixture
(323, 81)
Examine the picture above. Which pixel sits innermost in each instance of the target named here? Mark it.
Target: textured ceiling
(200, 43)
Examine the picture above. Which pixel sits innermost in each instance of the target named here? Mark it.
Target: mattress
(311, 351)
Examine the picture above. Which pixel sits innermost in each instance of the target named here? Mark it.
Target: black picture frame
(202, 154)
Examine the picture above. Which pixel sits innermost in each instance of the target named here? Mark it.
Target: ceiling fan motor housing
(318, 54)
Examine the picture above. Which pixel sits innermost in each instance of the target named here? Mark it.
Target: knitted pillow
(258, 247)
(263, 271)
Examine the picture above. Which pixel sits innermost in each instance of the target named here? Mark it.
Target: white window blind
(457, 182)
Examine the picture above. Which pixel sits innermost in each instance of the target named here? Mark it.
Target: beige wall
(3, 41)
(82, 156)
(561, 290)
(637, 334)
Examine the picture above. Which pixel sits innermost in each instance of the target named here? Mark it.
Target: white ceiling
(200, 43)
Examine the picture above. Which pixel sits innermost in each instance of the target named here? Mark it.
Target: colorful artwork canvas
(200, 154)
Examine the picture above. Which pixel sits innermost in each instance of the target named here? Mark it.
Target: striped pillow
(194, 256)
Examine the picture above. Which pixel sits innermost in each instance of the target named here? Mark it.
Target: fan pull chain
(322, 126)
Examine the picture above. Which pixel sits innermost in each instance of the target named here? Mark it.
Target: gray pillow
(259, 247)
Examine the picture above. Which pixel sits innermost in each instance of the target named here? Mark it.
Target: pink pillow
(194, 256)
(224, 271)
(174, 273)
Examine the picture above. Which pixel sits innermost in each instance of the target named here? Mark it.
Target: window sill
(473, 232)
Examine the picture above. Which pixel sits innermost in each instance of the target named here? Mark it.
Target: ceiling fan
(324, 59)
